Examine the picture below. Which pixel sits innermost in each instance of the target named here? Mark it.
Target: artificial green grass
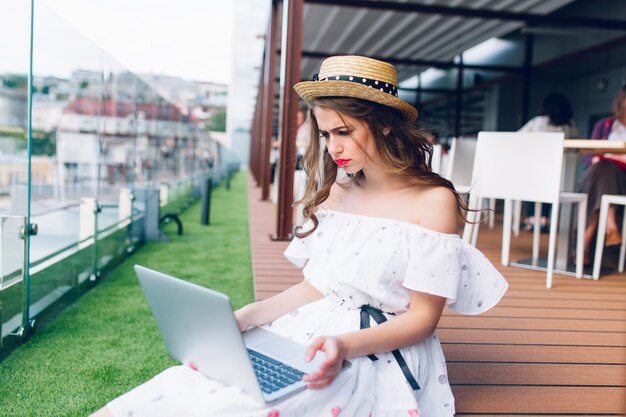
(107, 342)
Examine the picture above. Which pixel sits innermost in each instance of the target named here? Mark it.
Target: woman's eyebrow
(336, 129)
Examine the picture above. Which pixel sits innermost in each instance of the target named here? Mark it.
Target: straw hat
(359, 77)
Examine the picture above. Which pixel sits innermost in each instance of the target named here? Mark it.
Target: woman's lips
(342, 162)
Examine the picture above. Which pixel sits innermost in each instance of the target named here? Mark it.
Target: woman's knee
(605, 168)
(598, 172)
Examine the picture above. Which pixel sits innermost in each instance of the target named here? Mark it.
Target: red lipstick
(342, 162)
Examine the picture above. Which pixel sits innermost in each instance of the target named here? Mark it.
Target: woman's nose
(334, 148)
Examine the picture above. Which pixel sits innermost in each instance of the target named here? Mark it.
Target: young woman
(381, 259)
(555, 115)
(605, 174)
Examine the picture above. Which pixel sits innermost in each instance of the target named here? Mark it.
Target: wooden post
(291, 55)
(255, 132)
(269, 90)
(255, 154)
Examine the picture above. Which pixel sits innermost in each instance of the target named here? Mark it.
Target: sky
(191, 39)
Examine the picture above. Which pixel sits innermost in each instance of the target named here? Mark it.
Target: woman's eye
(323, 135)
(344, 133)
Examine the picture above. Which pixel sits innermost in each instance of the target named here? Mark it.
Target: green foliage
(14, 80)
(107, 342)
(217, 123)
(16, 133)
(44, 143)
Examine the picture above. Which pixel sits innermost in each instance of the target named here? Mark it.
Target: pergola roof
(407, 35)
(417, 34)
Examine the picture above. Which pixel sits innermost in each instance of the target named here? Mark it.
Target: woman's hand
(335, 351)
(243, 316)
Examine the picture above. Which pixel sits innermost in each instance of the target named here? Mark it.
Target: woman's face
(349, 141)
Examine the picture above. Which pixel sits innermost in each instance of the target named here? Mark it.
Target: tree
(14, 80)
(217, 122)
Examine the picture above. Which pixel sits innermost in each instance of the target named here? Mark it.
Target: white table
(572, 150)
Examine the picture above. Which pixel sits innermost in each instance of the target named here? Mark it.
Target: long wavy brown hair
(404, 150)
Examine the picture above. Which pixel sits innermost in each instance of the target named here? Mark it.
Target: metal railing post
(205, 213)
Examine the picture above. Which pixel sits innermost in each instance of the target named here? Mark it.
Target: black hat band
(371, 83)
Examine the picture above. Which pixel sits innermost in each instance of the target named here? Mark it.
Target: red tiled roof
(89, 106)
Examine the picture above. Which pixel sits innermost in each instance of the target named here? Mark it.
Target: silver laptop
(200, 330)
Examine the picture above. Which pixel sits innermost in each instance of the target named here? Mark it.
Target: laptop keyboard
(272, 374)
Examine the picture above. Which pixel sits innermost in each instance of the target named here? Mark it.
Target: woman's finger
(317, 375)
(321, 375)
(321, 383)
(330, 349)
(312, 349)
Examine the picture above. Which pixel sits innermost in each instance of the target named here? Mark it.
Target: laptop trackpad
(281, 348)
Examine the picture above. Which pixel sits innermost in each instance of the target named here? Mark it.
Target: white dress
(354, 260)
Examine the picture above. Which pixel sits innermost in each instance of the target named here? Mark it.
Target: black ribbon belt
(368, 311)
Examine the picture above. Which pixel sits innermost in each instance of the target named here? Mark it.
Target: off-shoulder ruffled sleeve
(299, 250)
(444, 265)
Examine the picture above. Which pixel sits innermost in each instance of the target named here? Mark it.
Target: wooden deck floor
(539, 352)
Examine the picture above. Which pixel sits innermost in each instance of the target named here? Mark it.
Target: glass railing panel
(11, 276)
(101, 137)
(117, 163)
(118, 131)
(172, 145)
(15, 30)
(67, 109)
(181, 196)
(114, 239)
(14, 70)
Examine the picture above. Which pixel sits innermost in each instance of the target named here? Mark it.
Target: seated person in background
(299, 176)
(606, 174)
(433, 136)
(302, 135)
(555, 115)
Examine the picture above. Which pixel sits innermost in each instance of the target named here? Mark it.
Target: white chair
(517, 216)
(461, 164)
(468, 147)
(523, 166)
(437, 159)
(459, 170)
(607, 200)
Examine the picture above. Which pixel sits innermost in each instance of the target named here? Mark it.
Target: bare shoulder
(437, 208)
(338, 192)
